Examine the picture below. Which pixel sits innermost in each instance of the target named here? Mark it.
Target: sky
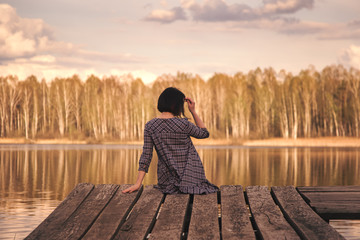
(60, 38)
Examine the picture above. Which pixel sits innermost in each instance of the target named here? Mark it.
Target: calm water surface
(34, 179)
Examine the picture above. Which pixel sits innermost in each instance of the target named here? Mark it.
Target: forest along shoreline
(271, 142)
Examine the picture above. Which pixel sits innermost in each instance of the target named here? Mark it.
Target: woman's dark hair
(172, 100)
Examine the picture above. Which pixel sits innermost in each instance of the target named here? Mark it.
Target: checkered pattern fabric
(180, 169)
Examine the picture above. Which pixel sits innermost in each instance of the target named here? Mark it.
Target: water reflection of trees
(52, 174)
(282, 166)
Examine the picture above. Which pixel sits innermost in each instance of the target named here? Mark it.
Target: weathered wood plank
(204, 223)
(340, 202)
(333, 196)
(337, 207)
(329, 189)
(79, 222)
(99, 213)
(337, 210)
(305, 221)
(114, 214)
(171, 217)
(142, 215)
(65, 209)
(234, 214)
(269, 219)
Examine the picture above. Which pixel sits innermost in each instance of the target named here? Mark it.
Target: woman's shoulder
(151, 122)
(158, 121)
(177, 119)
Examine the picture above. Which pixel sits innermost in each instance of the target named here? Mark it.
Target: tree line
(259, 104)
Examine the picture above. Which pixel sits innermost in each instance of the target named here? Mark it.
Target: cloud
(354, 23)
(295, 26)
(285, 6)
(350, 30)
(146, 76)
(28, 47)
(288, 26)
(28, 38)
(166, 16)
(21, 37)
(47, 67)
(273, 15)
(351, 56)
(220, 10)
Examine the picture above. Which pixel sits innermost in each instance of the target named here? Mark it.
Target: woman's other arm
(138, 183)
(144, 162)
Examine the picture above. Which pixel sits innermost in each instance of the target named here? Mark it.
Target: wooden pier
(103, 212)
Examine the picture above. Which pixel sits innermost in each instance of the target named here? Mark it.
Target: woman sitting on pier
(180, 169)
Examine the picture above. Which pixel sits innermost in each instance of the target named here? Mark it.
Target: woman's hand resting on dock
(137, 185)
(131, 189)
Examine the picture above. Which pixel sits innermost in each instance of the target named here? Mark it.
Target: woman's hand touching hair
(191, 104)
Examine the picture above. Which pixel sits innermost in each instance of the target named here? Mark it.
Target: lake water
(34, 179)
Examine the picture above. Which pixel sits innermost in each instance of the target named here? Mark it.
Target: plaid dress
(180, 169)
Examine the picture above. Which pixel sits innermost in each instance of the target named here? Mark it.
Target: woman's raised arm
(191, 106)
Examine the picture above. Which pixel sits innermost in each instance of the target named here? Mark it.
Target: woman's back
(179, 165)
(180, 169)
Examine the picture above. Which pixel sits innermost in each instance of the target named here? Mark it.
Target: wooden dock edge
(148, 214)
(300, 216)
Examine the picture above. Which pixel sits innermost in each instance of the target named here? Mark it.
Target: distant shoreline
(271, 142)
